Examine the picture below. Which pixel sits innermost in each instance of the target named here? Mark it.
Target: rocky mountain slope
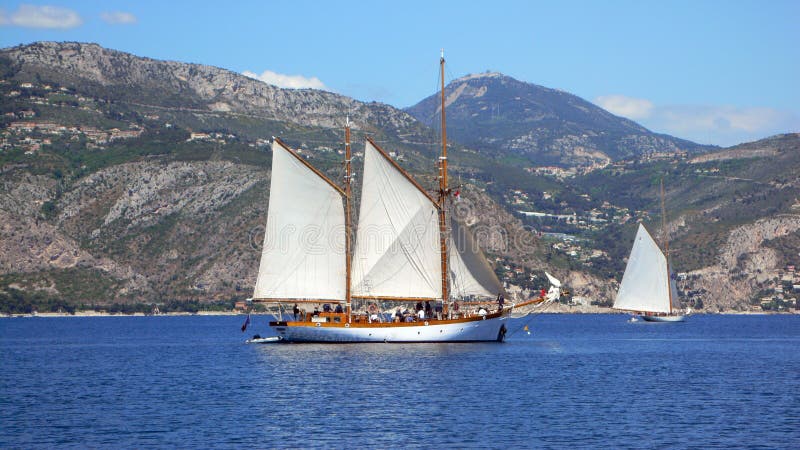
(125, 179)
(498, 115)
(124, 77)
(733, 218)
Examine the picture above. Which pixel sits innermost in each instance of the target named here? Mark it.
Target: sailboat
(407, 257)
(648, 286)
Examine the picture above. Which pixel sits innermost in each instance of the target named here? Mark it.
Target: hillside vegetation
(128, 180)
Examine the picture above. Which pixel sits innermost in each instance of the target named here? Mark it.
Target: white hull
(264, 340)
(489, 329)
(674, 318)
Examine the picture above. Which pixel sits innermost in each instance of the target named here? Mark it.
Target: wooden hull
(489, 328)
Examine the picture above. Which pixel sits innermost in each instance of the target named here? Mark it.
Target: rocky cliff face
(175, 230)
(163, 230)
(744, 264)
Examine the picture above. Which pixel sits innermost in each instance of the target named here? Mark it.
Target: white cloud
(30, 16)
(287, 81)
(721, 125)
(706, 124)
(632, 108)
(118, 17)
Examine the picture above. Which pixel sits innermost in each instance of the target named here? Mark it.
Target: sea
(572, 381)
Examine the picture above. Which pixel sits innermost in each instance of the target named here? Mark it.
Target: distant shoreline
(138, 314)
(559, 309)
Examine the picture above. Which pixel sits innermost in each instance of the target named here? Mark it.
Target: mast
(443, 195)
(347, 219)
(666, 244)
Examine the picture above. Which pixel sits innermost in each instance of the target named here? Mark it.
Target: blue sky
(715, 72)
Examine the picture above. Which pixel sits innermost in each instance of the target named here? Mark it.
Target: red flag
(457, 194)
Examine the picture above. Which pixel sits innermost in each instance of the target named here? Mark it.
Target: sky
(714, 72)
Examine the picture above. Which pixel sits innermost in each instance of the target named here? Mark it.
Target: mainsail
(646, 283)
(397, 253)
(303, 256)
(470, 272)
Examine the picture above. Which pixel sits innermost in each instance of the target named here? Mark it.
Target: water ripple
(577, 381)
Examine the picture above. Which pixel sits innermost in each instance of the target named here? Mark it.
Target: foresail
(303, 256)
(470, 272)
(645, 283)
(397, 251)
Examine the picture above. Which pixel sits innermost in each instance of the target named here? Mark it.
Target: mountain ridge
(148, 187)
(204, 86)
(498, 113)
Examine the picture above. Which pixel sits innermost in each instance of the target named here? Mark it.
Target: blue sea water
(590, 381)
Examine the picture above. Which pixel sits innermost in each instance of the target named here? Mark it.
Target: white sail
(397, 251)
(304, 253)
(553, 280)
(554, 293)
(646, 281)
(470, 272)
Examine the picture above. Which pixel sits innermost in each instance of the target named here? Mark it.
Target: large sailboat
(648, 287)
(407, 278)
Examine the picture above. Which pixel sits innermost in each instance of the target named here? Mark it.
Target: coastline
(592, 309)
(105, 314)
(551, 309)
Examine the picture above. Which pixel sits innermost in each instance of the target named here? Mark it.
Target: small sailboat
(409, 257)
(648, 287)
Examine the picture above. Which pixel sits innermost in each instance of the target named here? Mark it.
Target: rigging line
(532, 316)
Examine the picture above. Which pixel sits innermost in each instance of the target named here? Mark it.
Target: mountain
(498, 115)
(733, 219)
(123, 77)
(126, 180)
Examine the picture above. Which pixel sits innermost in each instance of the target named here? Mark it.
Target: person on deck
(296, 311)
(339, 309)
(500, 301)
(428, 310)
(542, 293)
(326, 307)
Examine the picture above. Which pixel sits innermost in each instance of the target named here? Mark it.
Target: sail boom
(296, 300)
(399, 299)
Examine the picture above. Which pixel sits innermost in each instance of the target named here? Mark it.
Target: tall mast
(666, 244)
(347, 218)
(443, 195)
